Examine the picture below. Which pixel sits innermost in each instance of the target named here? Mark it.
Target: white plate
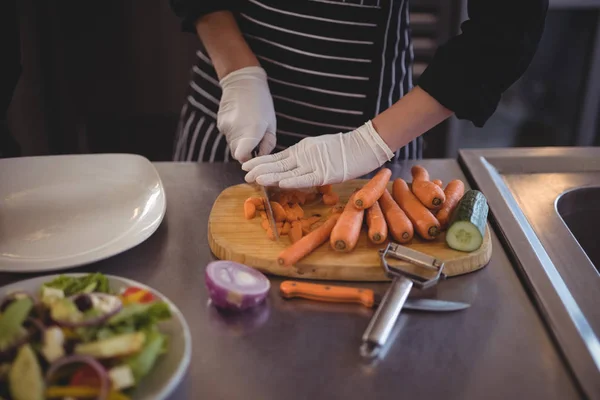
(170, 368)
(59, 212)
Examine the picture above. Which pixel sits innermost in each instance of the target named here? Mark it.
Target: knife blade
(267, 205)
(365, 297)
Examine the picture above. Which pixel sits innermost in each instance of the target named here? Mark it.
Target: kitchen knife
(267, 205)
(366, 297)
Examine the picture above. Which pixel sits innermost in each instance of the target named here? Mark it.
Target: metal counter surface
(499, 348)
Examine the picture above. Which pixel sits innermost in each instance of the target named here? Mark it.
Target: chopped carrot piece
(331, 198)
(249, 209)
(295, 233)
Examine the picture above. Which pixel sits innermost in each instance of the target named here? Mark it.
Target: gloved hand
(321, 160)
(246, 115)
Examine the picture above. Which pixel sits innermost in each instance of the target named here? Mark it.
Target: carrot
(286, 228)
(373, 189)
(308, 243)
(345, 233)
(399, 225)
(290, 215)
(431, 195)
(270, 234)
(454, 192)
(298, 196)
(281, 197)
(337, 209)
(331, 198)
(257, 201)
(378, 229)
(425, 223)
(278, 211)
(265, 224)
(249, 209)
(419, 173)
(437, 182)
(311, 196)
(325, 189)
(297, 210)
(295, 233)
(263, 214)
(308, 222)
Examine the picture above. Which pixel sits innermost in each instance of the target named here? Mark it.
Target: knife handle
(329, 293)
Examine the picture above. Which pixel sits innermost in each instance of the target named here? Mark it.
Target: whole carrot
(308, 243)
(431, 195)
(378, 229)
(454, 192)
(399, 225)
(419, 173)
(347, 230)
(372, 190)
(425, 223)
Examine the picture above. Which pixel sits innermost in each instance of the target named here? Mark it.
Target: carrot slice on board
(249, 209)
(331, 198)
(324, 189)
(295, 233)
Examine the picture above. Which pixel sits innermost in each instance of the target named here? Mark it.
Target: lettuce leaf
(142, 362)
(95, 282)
(11, 321)
(133, 317)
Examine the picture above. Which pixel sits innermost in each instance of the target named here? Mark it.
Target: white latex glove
(246, 115)
(321, 160)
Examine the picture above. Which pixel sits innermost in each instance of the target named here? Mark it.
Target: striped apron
(331, 65)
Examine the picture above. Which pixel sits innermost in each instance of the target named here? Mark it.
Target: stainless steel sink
(545, 202)
(580, 210)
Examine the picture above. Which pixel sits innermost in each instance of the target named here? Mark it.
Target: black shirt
(469, 73)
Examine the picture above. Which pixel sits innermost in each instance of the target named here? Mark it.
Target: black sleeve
(190, 10)
(470, 72)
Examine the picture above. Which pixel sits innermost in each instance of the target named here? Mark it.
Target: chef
(326, 85)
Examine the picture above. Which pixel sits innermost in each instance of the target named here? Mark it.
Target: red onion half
(235, 286)
(77, 358)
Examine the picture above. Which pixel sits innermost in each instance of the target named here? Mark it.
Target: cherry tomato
(146, 297)
(85, 376)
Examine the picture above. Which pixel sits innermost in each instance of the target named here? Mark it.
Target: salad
(76, 338)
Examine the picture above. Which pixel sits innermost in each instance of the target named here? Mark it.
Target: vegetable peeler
(365, 297)
(386, 315)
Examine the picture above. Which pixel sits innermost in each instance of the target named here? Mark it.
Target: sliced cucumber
(467, 225)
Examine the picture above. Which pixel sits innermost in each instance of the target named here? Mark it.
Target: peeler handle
(385, 317)
(329, 293)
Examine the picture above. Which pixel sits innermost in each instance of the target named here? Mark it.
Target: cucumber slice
(468, 222)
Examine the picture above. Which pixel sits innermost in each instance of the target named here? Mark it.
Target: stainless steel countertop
(296, 349)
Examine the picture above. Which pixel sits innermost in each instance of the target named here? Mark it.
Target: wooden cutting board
(232, 237)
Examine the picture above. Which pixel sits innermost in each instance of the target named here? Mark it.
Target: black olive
(69, 346)
(83, 302)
